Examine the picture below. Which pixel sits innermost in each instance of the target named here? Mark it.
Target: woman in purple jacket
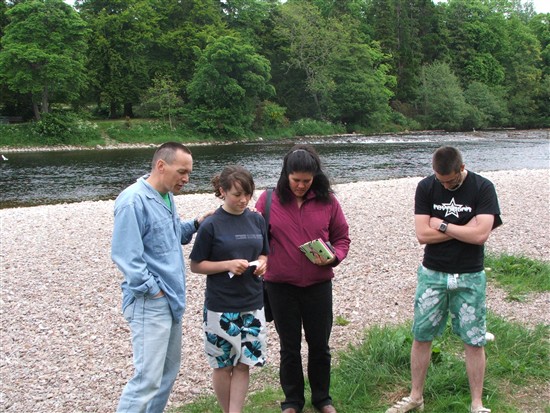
(303, 208)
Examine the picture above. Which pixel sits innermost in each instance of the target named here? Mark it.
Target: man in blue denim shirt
(147, 239)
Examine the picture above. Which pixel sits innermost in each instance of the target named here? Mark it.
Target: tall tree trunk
(317, 106)
(45, 100)
(35, 110)
(128, 110)
(113, 110)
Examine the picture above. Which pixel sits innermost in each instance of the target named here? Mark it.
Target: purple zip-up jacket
(291, 226)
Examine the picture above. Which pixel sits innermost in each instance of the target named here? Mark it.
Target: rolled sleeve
(127, 252)
(187, 231)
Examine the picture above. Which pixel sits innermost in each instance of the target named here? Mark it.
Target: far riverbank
(111, 145)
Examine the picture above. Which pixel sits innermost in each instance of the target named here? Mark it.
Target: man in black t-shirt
(455, 212)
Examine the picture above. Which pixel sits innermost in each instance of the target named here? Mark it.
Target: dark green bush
(64, 128)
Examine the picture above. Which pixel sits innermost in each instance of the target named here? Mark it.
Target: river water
(37, 178)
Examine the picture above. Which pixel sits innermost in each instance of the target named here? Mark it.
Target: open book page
(317, 246)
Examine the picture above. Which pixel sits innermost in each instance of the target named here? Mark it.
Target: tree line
(226, 68)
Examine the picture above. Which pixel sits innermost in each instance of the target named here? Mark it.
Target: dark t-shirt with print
(476, 196)
(224, 236)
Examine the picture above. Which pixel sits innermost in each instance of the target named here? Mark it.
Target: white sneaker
(406, 404)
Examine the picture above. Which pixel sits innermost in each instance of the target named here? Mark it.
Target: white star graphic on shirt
(452, 208)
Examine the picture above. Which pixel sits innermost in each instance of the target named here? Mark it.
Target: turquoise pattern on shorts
(439, 294)
(232, 338)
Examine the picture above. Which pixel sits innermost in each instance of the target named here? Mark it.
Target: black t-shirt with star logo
(476, 196)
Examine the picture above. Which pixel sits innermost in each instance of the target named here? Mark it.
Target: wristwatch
(196, 223)
(443, 226)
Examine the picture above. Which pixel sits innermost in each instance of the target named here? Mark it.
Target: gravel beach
(65, 346)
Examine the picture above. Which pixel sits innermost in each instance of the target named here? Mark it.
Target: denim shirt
(146, 246)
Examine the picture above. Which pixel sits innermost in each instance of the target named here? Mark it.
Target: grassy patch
(341, 321)
(140, 131)
(75, 131)
(369, 377)
(518, 275)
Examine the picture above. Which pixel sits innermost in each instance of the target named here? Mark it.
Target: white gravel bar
(65, 346)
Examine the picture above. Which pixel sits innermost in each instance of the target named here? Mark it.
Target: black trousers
(311, 308)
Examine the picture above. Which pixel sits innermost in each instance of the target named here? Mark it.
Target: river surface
(51, 177)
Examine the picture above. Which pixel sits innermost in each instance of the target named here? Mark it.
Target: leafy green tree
(331, 8)
(250, 18)
(540, 27)
(43, 52)
(492, 43)
(441, 98)
(330, 57)
(183, 27)
(3, 17)
(120, 41)
(163, 97)
(488, 104)
(523, 74)
(362, 86)
(269, 115)
(543, 102)
(477, 40)
(310, 40)
(411, 32)
(230, 81)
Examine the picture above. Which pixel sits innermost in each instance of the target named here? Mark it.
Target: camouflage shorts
(461, 295)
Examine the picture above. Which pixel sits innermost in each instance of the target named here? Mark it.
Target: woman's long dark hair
(303, 158)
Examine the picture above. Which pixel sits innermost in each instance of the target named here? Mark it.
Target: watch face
(443, 227)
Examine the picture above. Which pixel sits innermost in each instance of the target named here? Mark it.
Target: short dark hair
(447, 160)
(303, 158)
(167, 152)
(229, 176)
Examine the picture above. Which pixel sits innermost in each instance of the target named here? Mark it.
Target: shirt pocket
(163, 237)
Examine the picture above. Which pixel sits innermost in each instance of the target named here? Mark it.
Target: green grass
(378, 370)
(68, 129)
(142, 131)
(370, 376)
(518, 275)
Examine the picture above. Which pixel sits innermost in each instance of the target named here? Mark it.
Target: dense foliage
(227, 68)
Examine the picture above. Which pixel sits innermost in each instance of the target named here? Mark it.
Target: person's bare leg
(475, 368)
(421, 353)
(239, 387)
(221, 381)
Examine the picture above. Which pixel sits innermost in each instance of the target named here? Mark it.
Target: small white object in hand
(250, 264)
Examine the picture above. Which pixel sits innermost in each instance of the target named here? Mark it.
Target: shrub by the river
(64, 129)
(305, 127)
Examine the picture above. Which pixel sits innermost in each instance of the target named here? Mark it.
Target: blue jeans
(156, 342)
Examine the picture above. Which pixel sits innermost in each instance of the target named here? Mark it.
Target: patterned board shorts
(232, 338)
(461, 295)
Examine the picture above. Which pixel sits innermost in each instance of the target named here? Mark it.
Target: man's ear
(160, 165)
